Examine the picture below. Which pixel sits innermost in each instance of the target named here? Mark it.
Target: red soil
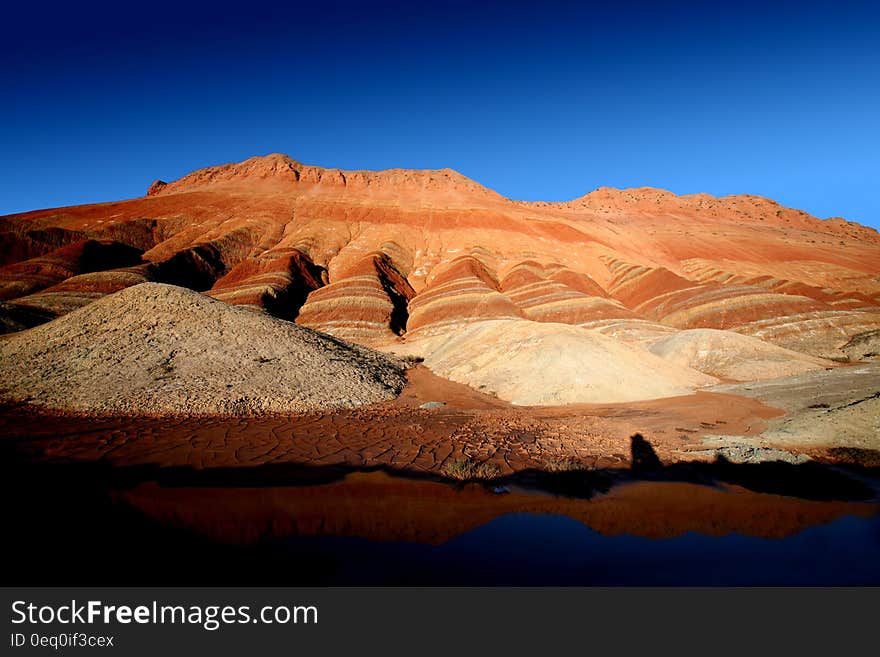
(248, 230)
(399, 434)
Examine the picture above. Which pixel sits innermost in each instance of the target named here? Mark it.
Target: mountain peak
(279, 168)
(272, 166)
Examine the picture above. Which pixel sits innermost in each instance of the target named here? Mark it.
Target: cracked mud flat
(397, 434)
(435, 422)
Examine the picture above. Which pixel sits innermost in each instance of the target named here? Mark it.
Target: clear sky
(536, 100)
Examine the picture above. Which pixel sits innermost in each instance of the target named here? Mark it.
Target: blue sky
(543, 100)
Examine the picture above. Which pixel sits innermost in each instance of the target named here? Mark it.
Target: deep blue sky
(544, 100)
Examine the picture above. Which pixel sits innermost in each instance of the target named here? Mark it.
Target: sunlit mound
(535, 363)
(155, 348)
(730, 355)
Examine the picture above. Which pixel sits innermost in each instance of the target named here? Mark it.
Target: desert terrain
(273, 287)
(271, 324)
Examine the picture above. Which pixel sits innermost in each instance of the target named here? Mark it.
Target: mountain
(398, 259)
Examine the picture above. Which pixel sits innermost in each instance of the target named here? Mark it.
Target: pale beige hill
(733, 356)
(156, 348)
(544, 364)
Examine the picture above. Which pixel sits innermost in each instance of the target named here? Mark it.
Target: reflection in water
(372, 528)
(379, 507)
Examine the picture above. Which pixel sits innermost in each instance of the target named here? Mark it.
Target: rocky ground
(158, 349)
(838, 409)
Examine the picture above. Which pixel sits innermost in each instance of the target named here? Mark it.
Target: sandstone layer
(399, 259)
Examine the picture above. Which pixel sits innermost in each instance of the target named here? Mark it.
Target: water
(75, 527)
(531, 549)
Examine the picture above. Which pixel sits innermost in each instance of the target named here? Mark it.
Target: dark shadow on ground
(64, 525)
(812, 480)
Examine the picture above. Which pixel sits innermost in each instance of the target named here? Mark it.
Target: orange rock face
(368, 304)
(377, 257)
(278, 281)
(556, 294)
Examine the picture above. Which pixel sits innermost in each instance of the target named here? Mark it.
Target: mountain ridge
(278, 167)
(381, 258)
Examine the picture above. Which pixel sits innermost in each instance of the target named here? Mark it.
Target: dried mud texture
(399, 434)
(157, 349)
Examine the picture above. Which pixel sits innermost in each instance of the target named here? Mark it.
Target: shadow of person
(644, 458)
